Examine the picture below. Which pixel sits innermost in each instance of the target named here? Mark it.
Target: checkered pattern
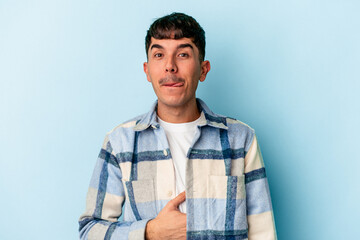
(227, 193)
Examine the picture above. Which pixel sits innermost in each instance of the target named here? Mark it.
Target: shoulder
(124, 131)
(240, 131)
(223, 121)
(234, 124)
(237, 123)
(126, 125)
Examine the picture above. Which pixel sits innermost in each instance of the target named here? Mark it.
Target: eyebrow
(156, 46)
(184, 45)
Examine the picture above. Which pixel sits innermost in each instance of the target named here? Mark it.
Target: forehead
(172, 43)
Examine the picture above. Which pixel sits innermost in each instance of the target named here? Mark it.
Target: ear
(205, 68)
(146, 71)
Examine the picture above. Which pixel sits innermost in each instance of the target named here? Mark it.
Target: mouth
(173, 84)
(172, 81)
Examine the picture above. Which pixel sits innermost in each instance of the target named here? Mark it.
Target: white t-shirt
(180, 137)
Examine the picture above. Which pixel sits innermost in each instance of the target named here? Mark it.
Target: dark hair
(176, 26)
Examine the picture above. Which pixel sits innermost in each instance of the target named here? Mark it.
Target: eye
(158, 55)
(183, 55)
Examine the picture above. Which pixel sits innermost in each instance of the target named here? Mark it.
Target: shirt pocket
(141, 196)
(227, 204)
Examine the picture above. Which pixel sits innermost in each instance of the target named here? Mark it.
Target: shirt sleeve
(260, 217)
(104, 203)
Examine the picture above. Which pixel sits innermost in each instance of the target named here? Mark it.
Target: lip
(175, 84)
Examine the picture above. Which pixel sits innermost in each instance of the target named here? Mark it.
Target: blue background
(70, 71)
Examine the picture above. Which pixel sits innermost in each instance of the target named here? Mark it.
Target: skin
(174, 70)
(170, 223)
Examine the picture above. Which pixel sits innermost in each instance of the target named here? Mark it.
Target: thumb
(178, 200)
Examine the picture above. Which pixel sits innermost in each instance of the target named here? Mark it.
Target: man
(179, 171)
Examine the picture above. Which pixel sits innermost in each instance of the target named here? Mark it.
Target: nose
(171, 66)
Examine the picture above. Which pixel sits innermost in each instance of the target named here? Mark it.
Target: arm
(259, 209)
(104, 202)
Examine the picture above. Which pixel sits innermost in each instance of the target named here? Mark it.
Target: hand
(170, 223)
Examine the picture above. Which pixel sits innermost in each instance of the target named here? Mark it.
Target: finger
(178, 199)
(183, 215)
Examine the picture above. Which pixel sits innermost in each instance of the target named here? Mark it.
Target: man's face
(174, 70)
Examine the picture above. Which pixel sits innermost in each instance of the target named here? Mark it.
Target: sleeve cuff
(137, 229)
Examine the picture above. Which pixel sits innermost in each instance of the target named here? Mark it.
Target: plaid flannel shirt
(227, 193)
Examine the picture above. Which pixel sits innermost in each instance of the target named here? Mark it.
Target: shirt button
(170, 193)
(165, 152)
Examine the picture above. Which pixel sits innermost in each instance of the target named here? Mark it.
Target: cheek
(154, 71)
(196, 74)
(192, 69)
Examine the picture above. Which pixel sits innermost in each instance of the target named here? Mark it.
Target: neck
(182, 114)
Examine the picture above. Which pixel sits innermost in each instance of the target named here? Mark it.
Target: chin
(174, 102)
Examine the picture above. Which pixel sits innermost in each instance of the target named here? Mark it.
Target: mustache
(172, 79)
